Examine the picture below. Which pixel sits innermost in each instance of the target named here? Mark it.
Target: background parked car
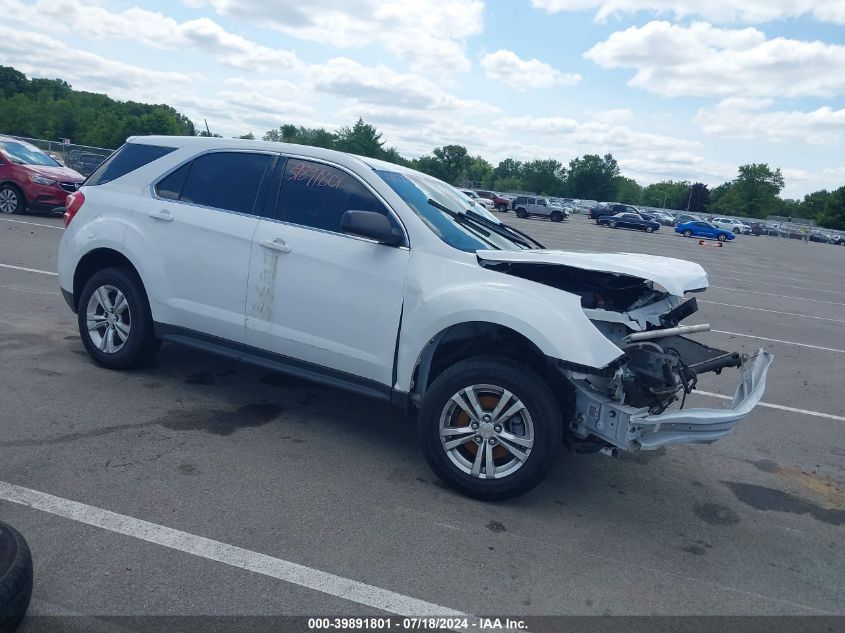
(30, 179)
(500, 203)
(683, 218)
(484, 202)
(665, 219)
(728, 224)
(629, 221)
(704, 229)
(611, 208)
(525, 206)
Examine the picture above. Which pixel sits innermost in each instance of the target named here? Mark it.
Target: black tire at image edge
(15, 578)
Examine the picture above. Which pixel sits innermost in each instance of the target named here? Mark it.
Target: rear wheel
(11, 199)
(502, 208)
(521, 213)
(613, 225)
(722, 237)
(490, 428)
(649, 229)
(687, 233)
(115, 320)
(556, 216)
(15, 578)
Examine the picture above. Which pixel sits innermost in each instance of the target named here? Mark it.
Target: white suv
(372, 277)
(729, 225)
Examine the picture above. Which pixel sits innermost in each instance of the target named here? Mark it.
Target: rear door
(315, 294)
(198, 227)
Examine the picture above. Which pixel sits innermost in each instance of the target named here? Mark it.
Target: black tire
(612, 225)
(524, 384)
(14, 200)
(15, 578)
(521, 213)
(649, 229)
(141, 345)
(502, 208)
(556, 216)
(687, 233)
(736, 231)
(722, 237)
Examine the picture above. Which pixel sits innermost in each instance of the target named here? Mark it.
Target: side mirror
(372, 225)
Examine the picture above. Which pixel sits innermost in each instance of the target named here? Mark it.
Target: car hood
(676, 276)
(62, 174)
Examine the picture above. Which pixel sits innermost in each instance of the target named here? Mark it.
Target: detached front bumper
(630, 428)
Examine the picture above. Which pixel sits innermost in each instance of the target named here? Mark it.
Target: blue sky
(683, 89)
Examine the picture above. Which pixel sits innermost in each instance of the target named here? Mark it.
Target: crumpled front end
(601, 417)
(637, 302)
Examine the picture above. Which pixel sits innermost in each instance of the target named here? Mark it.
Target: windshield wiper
(505, 230)
(463, 220)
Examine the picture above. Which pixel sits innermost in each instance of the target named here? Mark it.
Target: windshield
(449, 214)
(26, 154)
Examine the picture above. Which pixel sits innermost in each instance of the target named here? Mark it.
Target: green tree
(543, 176)
(628, 190)
(362, 139)
(448, 163)
(755, 190)
(479, 173)
(592, 177)
(667, 194)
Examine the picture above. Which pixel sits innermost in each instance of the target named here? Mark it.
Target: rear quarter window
(125, 160)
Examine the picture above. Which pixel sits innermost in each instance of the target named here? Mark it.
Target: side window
(127, 159)
(521, 200)
(226, 180)
(170, 187)
(317, 196)
(531, 201)
(541, 202)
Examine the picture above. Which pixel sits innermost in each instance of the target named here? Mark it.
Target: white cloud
(723, 11)
(703, 60)
(524, 74)
(800, 182)
(748, 119)
(382, 86)
(430, 35)
(39, 55)
(619, 115)
(151, 29)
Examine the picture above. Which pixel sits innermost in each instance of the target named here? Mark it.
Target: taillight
(73, 203)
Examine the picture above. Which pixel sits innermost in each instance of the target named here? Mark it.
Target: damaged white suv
(368, 276)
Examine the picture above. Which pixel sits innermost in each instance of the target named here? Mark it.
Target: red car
(501, 204)
(30, 179)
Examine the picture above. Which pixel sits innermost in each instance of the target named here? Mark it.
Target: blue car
(704, 229)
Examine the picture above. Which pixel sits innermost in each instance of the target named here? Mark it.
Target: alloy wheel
(9, 200)
(486, 431)
(109, 319)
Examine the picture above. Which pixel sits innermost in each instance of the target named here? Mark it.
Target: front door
(320, 296)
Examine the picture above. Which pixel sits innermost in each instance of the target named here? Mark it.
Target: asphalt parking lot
(294, 473)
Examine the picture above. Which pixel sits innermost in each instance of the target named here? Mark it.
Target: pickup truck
(371, 277)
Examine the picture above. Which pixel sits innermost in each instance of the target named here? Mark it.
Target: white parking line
(29, 270)
(46, 226)
(769, 294)
(795, 314)
(324, 582)
(768, 275)
(771, 283)
(776, 340)
(780, 407)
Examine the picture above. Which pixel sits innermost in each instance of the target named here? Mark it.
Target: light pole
(689, 200)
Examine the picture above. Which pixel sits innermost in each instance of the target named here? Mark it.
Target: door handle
(277, 244)
(162, 214)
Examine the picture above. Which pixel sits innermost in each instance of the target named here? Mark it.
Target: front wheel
(722, 237)
(613, 225)
(521, 213)
(502, 208)
(115, 320)
(649, 229)
(556, 217)
(490, 428)
(11, 199)
(687, 233)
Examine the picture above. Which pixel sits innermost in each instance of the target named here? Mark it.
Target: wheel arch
(482, 339)
(96, 260)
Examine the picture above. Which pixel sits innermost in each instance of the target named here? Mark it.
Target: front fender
(444, 292)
